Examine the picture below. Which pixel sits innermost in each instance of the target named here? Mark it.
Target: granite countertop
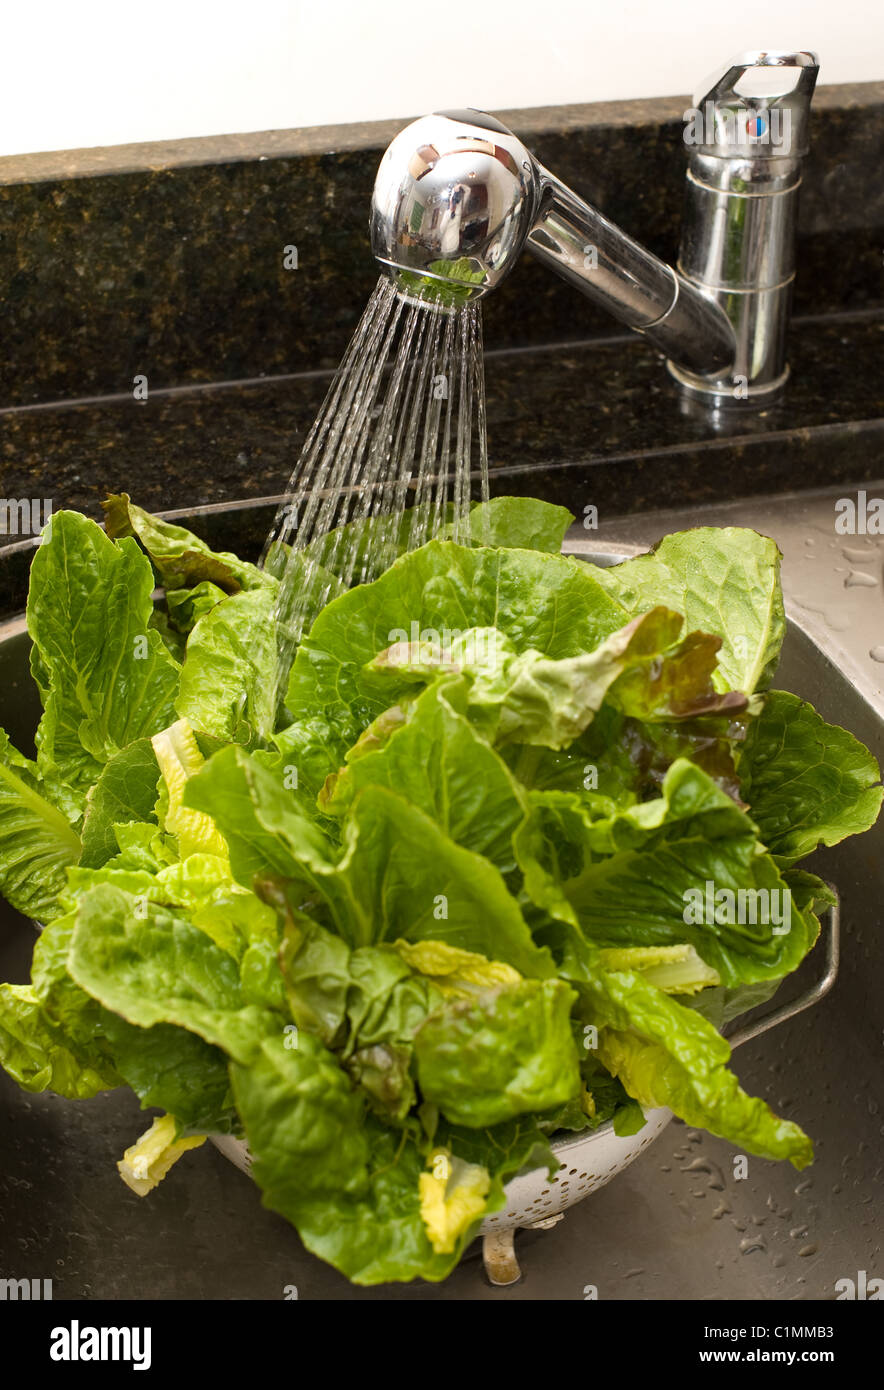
(562, 423)
(167, 259)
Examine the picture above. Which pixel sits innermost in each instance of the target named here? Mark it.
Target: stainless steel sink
(679, 1223)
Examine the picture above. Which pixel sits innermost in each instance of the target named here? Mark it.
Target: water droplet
(856, 579)
(837, 621)
(858, 555)
(705, 1165)
(808, 1250)
(750, 1243)
(803, 1186)
(877, 653)
(798, 1232)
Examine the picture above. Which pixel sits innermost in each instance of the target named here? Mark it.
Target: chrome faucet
(458, 197)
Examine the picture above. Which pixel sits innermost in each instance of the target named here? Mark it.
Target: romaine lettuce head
(470, 887)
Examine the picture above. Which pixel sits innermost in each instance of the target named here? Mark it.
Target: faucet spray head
(455, 197)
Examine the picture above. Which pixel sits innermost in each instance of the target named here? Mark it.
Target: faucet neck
(583, 246)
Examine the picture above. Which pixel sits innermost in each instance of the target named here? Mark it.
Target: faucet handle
(756, 106)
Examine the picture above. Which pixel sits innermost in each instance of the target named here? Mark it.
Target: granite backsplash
(168, 261)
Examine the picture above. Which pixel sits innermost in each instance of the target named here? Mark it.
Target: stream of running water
(390, 462)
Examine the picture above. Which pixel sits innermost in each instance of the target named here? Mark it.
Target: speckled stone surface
(167, 260)
(598, 422)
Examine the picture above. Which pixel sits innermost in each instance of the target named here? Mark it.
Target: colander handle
(811, 995)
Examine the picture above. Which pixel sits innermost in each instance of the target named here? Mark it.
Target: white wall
(100, 72)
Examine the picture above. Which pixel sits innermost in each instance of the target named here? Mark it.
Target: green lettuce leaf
(67, 1005)
(519, 523)
(165, 1066)
(177, 1071)
(515, 1146)
(361, 546)
(303, 1119)
(142, 845)
(39, 1054)
(550, 603)
(350, 1185)
(228, 680)
(808, 783)
(150, 966)
(181, 559)
(185, 607)
(366, 1004)
(37, 841)
(618, 761)
(628, 1119)
(174, 641)
(643, 878)
(725, 580)
(386, 1004)
(126, 791)
(315, 968)
(640, 668)
(304, 763)
(397, 874)
(178, 755)
(107, 677)
(438, 762)
(503, 1053)
(530, 699)
(667, 1055)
